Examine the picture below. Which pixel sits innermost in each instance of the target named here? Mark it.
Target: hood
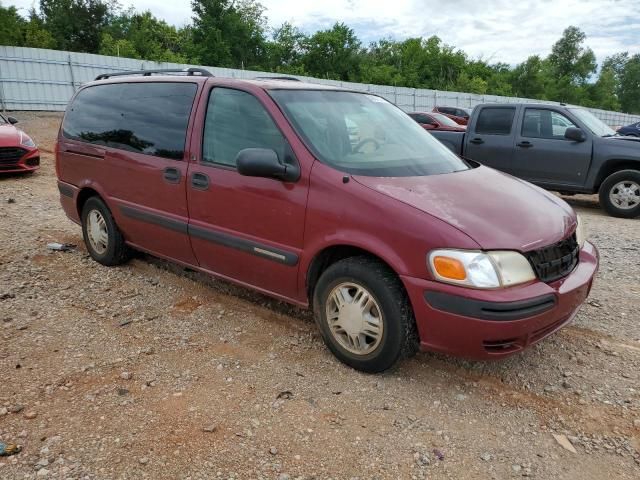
(496, 210)
(9, 136)
(624, 140)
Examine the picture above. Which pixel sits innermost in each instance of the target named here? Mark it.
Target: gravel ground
(150, 371)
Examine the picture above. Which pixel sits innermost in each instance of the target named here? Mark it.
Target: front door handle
(524, 144)
(171, 175)
(199, 181)
(477, 141)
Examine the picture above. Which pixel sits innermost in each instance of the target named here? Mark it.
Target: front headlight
(580, 232)
(480, 269)
(26, 140)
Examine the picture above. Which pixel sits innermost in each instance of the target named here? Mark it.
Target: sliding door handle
(171, 175)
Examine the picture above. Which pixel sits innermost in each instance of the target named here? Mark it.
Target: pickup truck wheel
(102, 237)
(620, 194)
(364, 314)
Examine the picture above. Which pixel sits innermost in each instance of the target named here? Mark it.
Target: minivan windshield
(593, 123)
(364, 134)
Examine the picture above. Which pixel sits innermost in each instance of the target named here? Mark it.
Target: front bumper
(29, 162)
(485, 324)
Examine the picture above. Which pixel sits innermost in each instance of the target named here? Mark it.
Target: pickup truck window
(593, 123)
(543, 123)
(237, 120)
(495, 120)
(390, 143)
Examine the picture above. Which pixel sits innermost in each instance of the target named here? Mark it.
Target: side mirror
(264, 162)
(12, 120)
(574, 134)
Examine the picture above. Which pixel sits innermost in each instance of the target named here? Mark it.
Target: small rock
(486, 457)
(43, 472)
(421, 459)
(209, 428)
(3, 411)
(126, 375)
(516, 468)
(636, 422)
(30, 415)
(143, 461)
(11, 200)
(284, 476)
(461, 397)
(273, 451)
(16, 408)
(564, 442)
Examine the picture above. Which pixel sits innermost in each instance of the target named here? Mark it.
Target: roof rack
(202, 72)
(290, 79)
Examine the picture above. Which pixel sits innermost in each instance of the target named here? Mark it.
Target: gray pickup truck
(561, 148)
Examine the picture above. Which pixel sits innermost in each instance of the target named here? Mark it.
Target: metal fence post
(73, 80)
(4, 106)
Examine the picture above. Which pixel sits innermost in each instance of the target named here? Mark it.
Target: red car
(18, 152)
(437, 121)
(457, 114)
(393, 241)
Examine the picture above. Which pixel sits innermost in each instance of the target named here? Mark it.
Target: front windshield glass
(364, 134)
(444, 120)
(593, 123)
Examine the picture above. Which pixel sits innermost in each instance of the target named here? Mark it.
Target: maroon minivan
(395, 242)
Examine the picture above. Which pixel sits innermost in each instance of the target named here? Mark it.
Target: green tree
(570, 64)
(141, 35)
(528, 78)
(228, 33)
(333, 53)
(286, 50)
(603, 93)
(77, 25)
(629, 90)
(35, 33)
(11, 26)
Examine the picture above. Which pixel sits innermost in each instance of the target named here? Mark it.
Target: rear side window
(495, 121)
(237, 120)
(148, 118)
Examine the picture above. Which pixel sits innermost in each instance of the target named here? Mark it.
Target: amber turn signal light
(450, 268)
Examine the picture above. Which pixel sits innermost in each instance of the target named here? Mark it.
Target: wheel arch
(612, 166)
(83, 195)
(331, 254)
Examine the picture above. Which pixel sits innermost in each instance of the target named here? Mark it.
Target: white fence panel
(38, 79)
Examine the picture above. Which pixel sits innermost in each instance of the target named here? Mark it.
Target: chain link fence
(38, 79)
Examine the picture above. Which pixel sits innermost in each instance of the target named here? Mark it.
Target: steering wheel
(362, 143)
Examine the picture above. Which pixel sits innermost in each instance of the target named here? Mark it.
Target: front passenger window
(237, 120)
(542, 123)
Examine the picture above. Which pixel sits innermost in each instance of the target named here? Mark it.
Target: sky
(495, 30)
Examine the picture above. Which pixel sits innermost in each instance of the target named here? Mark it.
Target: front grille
(10, 156)
(555, 261)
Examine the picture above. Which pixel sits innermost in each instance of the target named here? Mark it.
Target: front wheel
(620, 194)
(364, 314)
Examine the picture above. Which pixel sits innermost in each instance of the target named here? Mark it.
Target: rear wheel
(364, 314)
(620, 194)
(102, 237)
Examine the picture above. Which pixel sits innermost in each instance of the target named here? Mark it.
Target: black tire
(116, 252)
(399, 337)
(610, 183)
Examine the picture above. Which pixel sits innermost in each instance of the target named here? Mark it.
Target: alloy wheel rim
(97, 232)
(355, 319)
(625, 195)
